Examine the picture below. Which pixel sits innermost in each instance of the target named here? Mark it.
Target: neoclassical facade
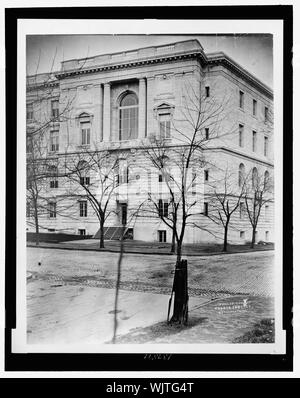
(121, 103)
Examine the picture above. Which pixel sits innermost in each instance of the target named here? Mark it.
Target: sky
(252, 52)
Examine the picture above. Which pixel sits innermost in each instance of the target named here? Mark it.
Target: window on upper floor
(128, 117)
(52, 209)
(254, 141)
(85, 132)
(55, 108)
(241, 99)
(242, 209)
(241, 178)
(164, 125)
(254, 107)
(241, 135)
(266, 179)
(84, 173)
(266, 146)
(206, 175)
(54, 140)
(207, 91)
(29, 111)
(163, 207)
(254, 178)
(206, 131)
(266, 113)
(53, 176)
(82, 208)
(122, 172)
(205, 210)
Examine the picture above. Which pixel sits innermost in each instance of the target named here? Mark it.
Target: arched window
(83, 171)
(254, 177)
(53, 174)
(241, 174)
(122, 172)
(128, 112)
(266, 178)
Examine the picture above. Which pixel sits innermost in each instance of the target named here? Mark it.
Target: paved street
(71, 295)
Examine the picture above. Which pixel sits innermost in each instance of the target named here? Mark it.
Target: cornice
(131, 64)
(223, 59)
(204, 59)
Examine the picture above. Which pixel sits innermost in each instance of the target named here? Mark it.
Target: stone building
(124, 104)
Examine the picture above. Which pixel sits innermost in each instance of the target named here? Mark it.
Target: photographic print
(151, 190)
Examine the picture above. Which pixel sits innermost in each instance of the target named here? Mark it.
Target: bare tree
(224, 200)
(94, 175)
(181, 161)
(44, 113)
(258, 192)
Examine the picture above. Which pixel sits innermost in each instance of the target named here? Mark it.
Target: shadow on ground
(145, 335)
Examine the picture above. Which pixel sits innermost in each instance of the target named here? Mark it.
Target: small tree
(94, 174)
(259, 191)
(225, 200)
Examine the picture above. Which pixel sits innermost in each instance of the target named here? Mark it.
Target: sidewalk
(66, 314)
(152, 248)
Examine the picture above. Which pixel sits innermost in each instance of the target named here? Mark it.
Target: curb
(145, 253)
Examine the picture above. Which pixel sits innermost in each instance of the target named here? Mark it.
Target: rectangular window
(162, 236)
(205, 212)
(242, 234)
(55, 108)
(242, 210)
(254, 107)
(85, 133)
(29, 111)
(206, 133)
(123, 176)
(241, 100)
(254, 140)
(207, 93)
(194, 183)
(163, 208)
(54, 141)
(52, 210)
(81, 232)
(266, 142)
(266, 113)
(54, 182)
(266, 212)
(267, 234)
(83, 208)
(205, 175)
(164, 126)
(241, 135)
(84, 180)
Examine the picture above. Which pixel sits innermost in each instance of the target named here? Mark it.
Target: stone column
(142, 108)
(106, 112)
(150, 115)
(100, 92)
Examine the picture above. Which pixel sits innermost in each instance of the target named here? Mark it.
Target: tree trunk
(225, 238)
(37, 229)
(101, 235)
(253, 238)
(179, 251)
(173, 245)
(180, 289)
